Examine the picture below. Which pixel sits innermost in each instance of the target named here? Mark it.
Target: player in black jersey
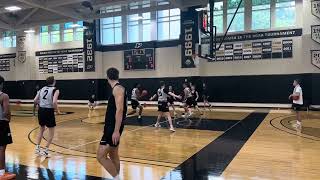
(163, 107)
(107, 154)
(205, 96)
(171, 100)
(92, 102)
(195, 97)
(5, 133)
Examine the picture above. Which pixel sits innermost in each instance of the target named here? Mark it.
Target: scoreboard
(139, 59)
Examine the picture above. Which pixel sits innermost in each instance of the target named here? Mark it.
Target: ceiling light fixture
(12, 8)
(74, 25)
(29, 31)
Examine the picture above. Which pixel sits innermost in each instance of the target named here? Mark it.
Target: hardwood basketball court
(225, 143)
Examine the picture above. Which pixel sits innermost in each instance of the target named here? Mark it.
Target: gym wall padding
(229, 89)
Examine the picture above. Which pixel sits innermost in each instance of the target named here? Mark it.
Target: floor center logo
(315, 8)
(315, 33)
(315, 58)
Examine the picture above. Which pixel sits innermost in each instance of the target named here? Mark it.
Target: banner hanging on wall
(89, 46)
(315, 8)
(189, 34)
(315, 33)
(315, 58)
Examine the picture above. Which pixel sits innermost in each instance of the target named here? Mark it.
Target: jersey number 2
(45, 94)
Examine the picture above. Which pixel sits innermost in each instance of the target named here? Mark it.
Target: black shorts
(205, 97)
(171, 101)
(134, 103)
(189, 102)
(5, 133)
(163, 107)
(297, 107)
(107, 135)
(194, 103)
(46, 117)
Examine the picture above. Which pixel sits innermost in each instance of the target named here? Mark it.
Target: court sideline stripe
(214, 158)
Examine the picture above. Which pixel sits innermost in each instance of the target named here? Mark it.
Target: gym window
(55, 33)
(285, 13)
(68, 32)
(9, 39)
(168, 22)
(218, 16)
(73, 31)
(111, 27)
(261, 14)
(139, 25)
(44, 35)
(238, 21)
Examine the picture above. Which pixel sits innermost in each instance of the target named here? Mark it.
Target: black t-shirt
(110, 118)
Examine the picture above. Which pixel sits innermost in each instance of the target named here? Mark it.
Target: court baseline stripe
(214, 158)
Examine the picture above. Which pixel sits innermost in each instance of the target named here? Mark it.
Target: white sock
(2, 171)
(139, 116)
(117, 177)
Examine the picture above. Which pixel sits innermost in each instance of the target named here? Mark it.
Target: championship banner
(315, 8)
(189, 33)
(315, 58)
(315, 33)
(21, 49)
(89, 46)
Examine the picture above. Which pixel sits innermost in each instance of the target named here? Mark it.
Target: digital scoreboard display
(139, 59)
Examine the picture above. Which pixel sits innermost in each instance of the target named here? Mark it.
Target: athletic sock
(2, 171)
(139, 116)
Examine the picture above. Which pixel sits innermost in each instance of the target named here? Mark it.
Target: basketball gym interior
(247, 52)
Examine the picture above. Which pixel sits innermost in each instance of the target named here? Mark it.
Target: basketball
(144, 93)
(295, 98)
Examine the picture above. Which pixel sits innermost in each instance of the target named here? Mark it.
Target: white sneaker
(37, 151)
(157, 125)
(172, 130)
(45, 153)
(297, 125)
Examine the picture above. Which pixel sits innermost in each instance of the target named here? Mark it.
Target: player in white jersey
(135, 96)
(187, 100)
(297, 101)
(163, 104)
(5, 133)
(47, 99)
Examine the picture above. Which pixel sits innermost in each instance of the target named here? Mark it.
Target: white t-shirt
(298, 89)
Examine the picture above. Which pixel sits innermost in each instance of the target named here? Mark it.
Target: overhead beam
(27, 16)
(176, 3)
(130, 11)
(4, 25)
(61, 11)
(35, 24)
